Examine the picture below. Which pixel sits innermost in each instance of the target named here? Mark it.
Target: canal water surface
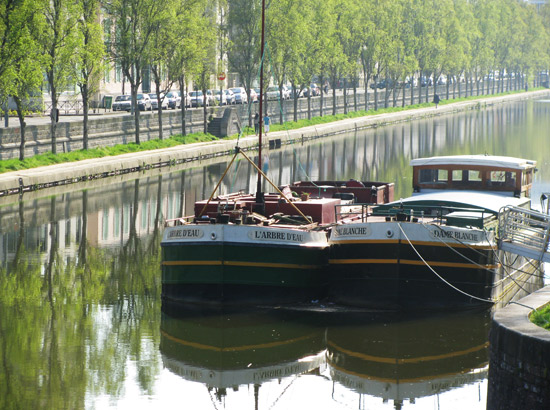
(81, 321)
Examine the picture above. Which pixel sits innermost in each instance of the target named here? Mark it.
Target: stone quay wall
(519, 367)
(113, 129)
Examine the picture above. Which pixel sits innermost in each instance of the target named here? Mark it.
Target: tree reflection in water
(80, 310)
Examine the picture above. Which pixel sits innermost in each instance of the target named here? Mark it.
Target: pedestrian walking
(256, 123)
(436, 100)
(267, 121)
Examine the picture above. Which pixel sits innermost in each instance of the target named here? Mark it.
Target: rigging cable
(438, 275)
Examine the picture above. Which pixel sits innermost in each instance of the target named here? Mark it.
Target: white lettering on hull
(185, 233)
(359, 231)
(281, 236)
(464, 236)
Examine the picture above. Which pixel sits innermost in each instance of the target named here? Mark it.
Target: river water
(81, 324)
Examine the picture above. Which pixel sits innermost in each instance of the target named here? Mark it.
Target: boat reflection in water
(228, 352)
(389, 362)
(409, 360)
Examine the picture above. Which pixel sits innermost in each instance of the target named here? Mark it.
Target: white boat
(437, 248)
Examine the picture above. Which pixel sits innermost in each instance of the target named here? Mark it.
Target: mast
(259, 193)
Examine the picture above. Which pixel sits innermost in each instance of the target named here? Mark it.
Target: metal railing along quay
(524, 232)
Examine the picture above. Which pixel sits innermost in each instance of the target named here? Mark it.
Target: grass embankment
(51, 159)
(541, 317)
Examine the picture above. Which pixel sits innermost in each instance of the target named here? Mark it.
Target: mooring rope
(438, 275)
(459, 253)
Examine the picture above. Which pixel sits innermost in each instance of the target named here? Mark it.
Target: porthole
(213, 236)
(389, 233)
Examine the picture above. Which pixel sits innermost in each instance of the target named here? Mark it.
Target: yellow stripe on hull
(237, 263)
(235, 348)
(408, 262)
(396, 241)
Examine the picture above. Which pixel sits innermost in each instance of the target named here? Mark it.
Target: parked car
(240, 95)
(295, 92)
(385, 83)
(258, 96)
(273, 93)
(285, 92)
(227, 98)
(186, 99)
(174, 99)
(210, 97)
(253, 95)
(154, 101)
(411, 81)
(144, 102)
(313, 89)
(425, 81)
(122, 103)
(197, 98)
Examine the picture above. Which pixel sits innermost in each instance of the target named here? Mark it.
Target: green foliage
(541, 317)
(50, 158)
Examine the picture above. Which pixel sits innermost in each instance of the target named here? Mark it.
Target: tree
(57, 37)
(135, 21)
(20, 69)
(243, 52)
(188, 54)
(90, 57)
(163, 45)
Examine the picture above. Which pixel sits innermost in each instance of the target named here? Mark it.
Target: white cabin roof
(491, 201)
(476, 160)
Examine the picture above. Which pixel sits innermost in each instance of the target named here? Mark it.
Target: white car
(273, 93)
(174, 99)
(144, 102)
(197, 98)
(227, 98)
(240, 95)
(286, 92)
(122, 103)
(154, 101)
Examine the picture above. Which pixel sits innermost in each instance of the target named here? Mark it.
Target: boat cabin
(507, 175)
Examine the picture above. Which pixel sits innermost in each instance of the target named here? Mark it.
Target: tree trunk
(333, 98)
(54, 116)
(412, 89)
(322, 84)
(135, 109)
(183, 92)
(376, 93)
(204, 111)
(345, 95)
(85, 102)
(22, 126)
(355, 95)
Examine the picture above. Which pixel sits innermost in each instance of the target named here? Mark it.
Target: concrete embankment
(519, 367)
(19, 182)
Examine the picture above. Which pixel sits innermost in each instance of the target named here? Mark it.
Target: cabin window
(456, 175)
(474, 176)
(497, 176)
(428, 176)
(510, 179)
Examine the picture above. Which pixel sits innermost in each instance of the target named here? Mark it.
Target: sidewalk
(19, 182)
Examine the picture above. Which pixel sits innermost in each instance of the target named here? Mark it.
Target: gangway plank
(524, 232)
